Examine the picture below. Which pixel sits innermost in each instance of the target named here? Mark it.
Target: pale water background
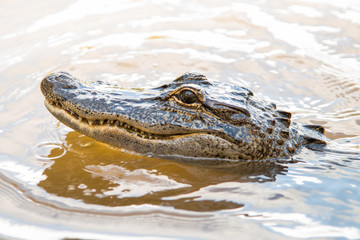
(55, 183)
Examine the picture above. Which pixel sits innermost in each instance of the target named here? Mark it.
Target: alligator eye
(187, 97)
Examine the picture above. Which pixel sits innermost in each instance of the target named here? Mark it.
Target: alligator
(190, 117)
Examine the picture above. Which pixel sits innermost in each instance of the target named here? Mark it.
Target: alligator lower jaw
(77, 122)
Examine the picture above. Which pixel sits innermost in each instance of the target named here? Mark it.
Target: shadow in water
(98, 174)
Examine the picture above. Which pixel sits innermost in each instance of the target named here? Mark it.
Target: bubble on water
(82, 186)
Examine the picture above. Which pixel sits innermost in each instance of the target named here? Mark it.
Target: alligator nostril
(61, 80)
(65, 80)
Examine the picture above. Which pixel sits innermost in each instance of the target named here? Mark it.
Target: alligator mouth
(67, 113)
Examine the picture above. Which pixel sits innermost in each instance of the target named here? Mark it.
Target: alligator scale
(190, 117)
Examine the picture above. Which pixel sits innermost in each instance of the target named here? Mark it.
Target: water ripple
(48, 150)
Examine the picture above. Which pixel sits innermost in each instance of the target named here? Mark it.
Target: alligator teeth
(130, 129)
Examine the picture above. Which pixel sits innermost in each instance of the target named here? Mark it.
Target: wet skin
(191, 117)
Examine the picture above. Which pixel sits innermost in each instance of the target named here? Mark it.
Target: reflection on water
(304, 55)
(96, 174)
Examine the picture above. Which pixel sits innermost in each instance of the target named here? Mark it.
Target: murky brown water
(304, 55)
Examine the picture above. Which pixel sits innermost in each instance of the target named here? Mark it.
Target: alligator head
(189, 117)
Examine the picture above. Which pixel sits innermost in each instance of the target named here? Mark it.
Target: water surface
(303, 55)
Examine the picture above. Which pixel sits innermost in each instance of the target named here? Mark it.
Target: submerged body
(190, 117)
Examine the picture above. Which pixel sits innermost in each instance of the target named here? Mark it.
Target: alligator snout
(60, 80)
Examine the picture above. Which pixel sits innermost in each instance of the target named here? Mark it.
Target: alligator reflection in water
(97, 174)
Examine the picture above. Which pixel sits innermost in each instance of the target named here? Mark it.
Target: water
(303, 55)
